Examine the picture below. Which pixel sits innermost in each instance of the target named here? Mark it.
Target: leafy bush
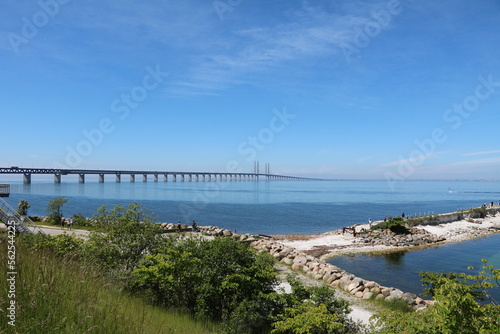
(396, 225)
(125, 235)
(207, 277)
(457, 308)
(80, 220)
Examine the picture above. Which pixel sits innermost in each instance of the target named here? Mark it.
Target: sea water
(287, 207)
(274, 207)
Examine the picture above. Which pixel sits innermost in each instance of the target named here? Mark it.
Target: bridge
(167, 175)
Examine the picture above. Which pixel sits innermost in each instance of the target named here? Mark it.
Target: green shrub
(459, 306)
(396, 225)
(80, 220)
(207, 277)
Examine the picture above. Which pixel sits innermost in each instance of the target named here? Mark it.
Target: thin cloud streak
(482, 153)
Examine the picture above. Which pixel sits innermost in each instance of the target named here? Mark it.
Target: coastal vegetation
(129, 278)
(462, 304)
(394, 224)
(54, 210)
(56, 293)
(22, 207)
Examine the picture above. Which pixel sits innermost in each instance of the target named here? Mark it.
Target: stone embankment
(415, 237)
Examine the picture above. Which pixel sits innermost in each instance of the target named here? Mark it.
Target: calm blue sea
(286, 207)
(276, 207)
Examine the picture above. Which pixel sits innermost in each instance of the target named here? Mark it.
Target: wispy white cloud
(309, 33)
(482, 153)
(477, 162)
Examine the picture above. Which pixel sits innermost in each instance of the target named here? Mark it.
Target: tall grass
(55, 295)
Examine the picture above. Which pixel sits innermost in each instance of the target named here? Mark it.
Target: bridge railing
(23, 224)
(4, 190)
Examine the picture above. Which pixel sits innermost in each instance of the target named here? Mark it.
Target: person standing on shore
(369, 222)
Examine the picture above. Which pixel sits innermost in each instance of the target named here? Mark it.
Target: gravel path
(362, 310)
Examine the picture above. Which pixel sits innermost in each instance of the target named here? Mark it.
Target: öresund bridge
(167, 175)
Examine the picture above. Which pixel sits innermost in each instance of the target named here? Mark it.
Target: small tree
(54, 213)
(459, 306)
(123, 237)
(22, 207)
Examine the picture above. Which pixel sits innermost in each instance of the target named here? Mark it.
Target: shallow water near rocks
(401, 269)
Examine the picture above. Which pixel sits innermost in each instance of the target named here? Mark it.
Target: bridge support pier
(27, 178)
(155, 177)
(182, 177)
(101, 178)
(174, 177)
(144, 177)
(165, 177)
(81, 178)
(118, 178)
(132, 177)
(57, 178)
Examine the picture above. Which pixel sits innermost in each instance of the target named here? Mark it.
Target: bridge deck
(206, 176)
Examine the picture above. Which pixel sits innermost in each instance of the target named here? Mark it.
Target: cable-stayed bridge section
(167, 175)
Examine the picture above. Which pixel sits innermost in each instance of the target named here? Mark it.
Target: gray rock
(367, 295)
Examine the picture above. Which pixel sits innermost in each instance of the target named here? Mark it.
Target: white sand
(456, 231)
(326, 240)
(462, 230)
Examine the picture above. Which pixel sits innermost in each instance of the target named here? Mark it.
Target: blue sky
(336, 89)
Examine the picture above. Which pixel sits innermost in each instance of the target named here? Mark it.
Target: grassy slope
(61, 296)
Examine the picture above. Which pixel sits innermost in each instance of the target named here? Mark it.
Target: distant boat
(451, 191)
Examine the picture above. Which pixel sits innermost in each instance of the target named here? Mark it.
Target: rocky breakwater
(335, 276)
(413, 237)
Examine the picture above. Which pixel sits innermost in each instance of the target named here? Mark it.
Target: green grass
(57, 295)
(397, 305)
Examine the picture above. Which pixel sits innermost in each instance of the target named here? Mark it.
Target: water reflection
(395, 259)
(401, 269)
